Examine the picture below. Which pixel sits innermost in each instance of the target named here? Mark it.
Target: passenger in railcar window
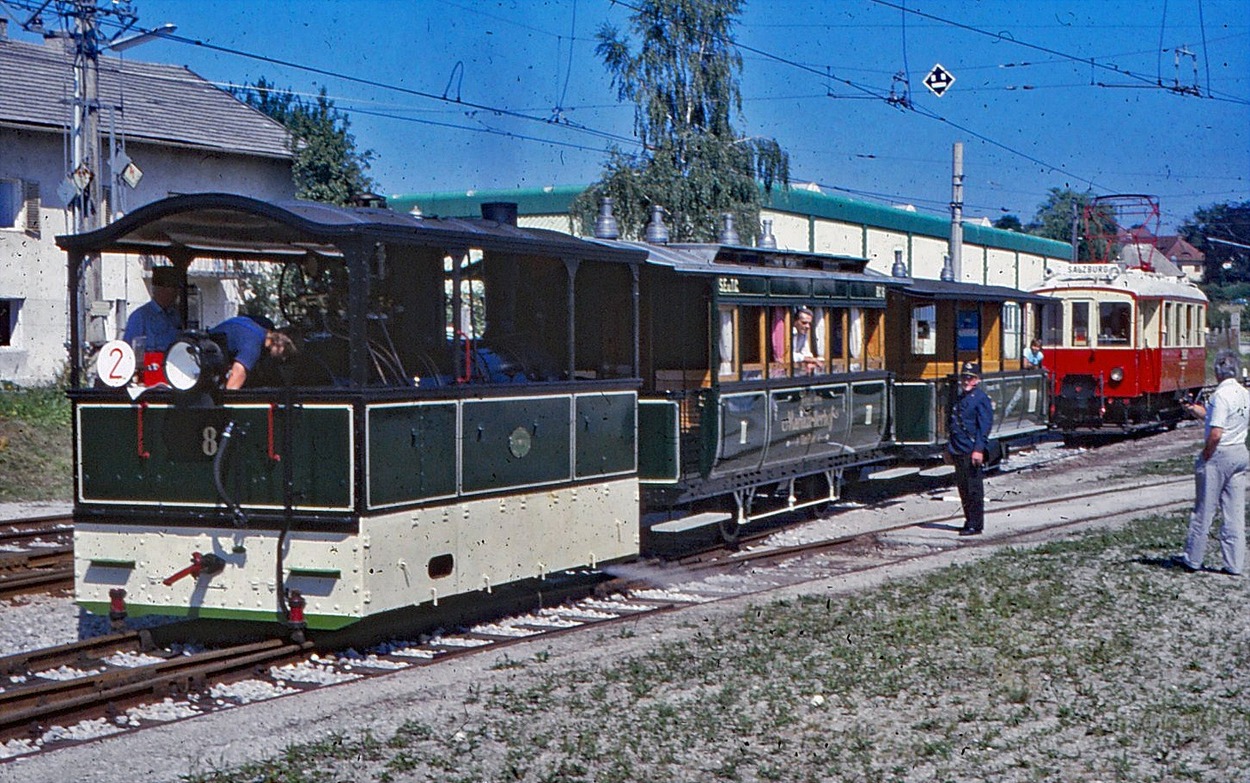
(803, 344)
(1034, 355)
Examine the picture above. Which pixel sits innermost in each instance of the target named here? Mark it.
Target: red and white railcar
(1124, 342)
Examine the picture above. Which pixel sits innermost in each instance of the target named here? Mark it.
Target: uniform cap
(970, 369)
(167, 277)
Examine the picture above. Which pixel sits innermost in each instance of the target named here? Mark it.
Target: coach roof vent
(728, 234)
(767, 241)
(503, 212)
(657, 232)
(370, 200)
(605, 224)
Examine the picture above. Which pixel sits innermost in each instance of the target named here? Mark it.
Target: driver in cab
(247, 339)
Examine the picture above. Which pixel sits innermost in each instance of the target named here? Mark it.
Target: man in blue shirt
(246, 339)
(153, 326)
(971, 420)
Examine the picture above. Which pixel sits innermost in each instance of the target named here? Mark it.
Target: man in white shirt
(1220, 471)
(804, 354)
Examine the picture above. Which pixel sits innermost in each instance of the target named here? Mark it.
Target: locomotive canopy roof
(969, 292)
(223, 225)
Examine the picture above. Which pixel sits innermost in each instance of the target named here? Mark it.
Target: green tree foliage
(1229, 222)
(1009, 223)
(682, 80)
(1054, 221)
(327, 167)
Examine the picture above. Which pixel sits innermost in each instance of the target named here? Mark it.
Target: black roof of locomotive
(224, 225)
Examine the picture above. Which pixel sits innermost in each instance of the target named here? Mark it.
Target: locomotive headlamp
(195, 363)
(1117, 374)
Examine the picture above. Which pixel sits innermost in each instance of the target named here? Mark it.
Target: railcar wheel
(730, 530)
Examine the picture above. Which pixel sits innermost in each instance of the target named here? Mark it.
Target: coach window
(835, 328)
(1169, 325)
(1080, 323)
(1202, 325)
(1052, 324)
(1013, 330)
(924, 330)
(1114, 319)
(726, 343)
(751, 342)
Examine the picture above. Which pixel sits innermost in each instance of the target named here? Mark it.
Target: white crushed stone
(349, 658)
(131, 660)
(505, 629)
(162, 712)
(414, 652)
(670, 595)
(247, 691)
(63, 673)
(315, 670)
(582, 613)
(15, 747)
(615, 604)
(458, 641)
(79, 732)
(551, 621)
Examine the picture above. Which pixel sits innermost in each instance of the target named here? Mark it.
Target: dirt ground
(1085, 663)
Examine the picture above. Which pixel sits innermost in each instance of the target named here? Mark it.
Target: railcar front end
(1125, 345)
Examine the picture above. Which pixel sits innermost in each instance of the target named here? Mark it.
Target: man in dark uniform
(972, 417)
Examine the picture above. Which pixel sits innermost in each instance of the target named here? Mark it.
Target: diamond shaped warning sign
(939, 80)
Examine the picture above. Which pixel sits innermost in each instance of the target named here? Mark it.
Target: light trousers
(1220, 484)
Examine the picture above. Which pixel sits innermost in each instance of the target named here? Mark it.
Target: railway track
(107, 689)
(36, 556)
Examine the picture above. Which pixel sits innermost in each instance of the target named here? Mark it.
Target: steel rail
(27, 710)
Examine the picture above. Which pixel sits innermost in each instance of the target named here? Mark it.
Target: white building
(183, 133)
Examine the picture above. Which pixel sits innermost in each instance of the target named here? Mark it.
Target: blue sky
(1048, 93)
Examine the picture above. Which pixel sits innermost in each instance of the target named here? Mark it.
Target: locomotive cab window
(1115, 323)
(1079, 334)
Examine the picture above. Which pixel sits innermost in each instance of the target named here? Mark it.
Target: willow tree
(683, 81)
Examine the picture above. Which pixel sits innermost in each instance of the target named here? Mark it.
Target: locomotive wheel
(729, 530)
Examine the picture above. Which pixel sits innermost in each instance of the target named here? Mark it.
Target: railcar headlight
(1117, 374)
(195, 363)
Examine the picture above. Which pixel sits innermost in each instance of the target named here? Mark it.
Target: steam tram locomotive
(1125, 345)
(477, 405)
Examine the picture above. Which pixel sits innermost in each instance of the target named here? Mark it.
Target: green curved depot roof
(557, 200)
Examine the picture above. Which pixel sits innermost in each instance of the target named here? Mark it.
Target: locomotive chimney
(503, 212)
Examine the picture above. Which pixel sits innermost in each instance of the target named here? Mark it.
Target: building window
(8, 309)
(11, 202)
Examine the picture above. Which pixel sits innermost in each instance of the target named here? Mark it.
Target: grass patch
(1078, 660)
(35, 449)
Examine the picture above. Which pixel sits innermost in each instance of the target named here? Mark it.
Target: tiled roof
(159, 103)
(1176, 247)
